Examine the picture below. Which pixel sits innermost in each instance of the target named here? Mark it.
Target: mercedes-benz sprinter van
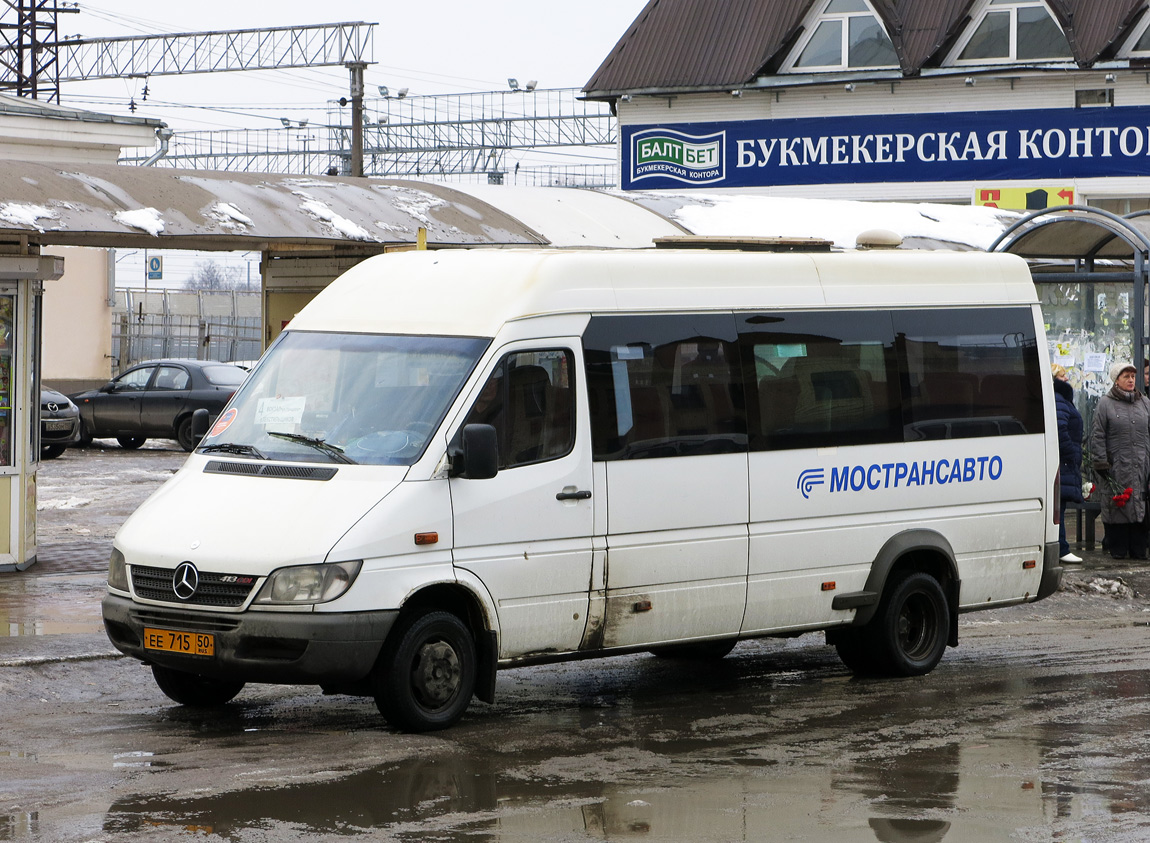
(452, 462)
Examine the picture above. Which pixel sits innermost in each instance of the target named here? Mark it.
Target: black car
(156, 399)
(59, 423)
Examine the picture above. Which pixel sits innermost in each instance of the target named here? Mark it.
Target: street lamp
(384, 92)
(513, 83)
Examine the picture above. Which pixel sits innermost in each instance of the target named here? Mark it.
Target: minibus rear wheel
(912, 625)
(426, 673)
(193, 690)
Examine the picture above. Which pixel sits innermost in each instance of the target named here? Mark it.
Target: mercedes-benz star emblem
(185, 580)
(53, 407)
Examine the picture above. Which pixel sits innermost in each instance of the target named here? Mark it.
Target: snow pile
(63, 503)
(25, 216)
(230, 217)
(1115, 588)
(414, 203)
(838, 220)
(323, 213)
(145, 219)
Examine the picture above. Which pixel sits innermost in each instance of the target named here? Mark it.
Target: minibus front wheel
(426, 673)
(194, 690)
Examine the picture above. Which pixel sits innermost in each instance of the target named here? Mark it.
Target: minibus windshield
(345, 398)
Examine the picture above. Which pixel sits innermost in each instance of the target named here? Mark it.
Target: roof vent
(878, 238)
(745, 244)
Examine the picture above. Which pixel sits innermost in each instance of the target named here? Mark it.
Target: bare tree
(210, 275)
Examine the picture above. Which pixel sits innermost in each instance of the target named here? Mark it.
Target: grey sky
(445, 46)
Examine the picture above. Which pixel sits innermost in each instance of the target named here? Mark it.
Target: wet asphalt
(1034, 728)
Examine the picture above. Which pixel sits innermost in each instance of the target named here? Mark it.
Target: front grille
(186, 621)
(214, 589)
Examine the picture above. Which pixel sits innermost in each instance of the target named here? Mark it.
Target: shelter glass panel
(1089, 326)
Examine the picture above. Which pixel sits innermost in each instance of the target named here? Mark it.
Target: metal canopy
(1084, 235)
(141, 207)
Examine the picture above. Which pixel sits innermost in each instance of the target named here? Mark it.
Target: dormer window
(1015, 30)
(846, 35)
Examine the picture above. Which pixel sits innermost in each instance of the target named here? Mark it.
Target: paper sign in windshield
(280, 410)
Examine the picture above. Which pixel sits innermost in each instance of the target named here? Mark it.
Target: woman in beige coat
(1120, 449)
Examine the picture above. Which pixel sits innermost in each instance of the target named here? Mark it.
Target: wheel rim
(917, 627)
(437, 674)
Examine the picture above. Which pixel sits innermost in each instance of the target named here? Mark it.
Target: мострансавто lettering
(892, 475)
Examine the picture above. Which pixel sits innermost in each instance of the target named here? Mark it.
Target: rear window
(225, 375)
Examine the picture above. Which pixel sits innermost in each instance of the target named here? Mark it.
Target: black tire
(857, 650)
(85, 436)
(193, 690)
(912, 626)
(700, 651)
(184, 435)
(131, 443)
(426, 673)
(50, 452)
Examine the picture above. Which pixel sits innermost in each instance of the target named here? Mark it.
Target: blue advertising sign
(1050, 143)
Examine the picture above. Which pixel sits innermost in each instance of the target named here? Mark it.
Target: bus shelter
(1091, 268)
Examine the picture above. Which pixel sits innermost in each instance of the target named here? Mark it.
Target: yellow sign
(1024, 198)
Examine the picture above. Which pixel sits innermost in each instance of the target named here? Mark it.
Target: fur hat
(1118, 368)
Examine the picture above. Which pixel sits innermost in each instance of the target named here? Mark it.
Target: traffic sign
(155, 268)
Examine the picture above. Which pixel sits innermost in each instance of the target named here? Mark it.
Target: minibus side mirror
(199, 424)
(480, 452)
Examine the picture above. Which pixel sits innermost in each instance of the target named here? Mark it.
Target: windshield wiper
(333, 451)
(229, 448)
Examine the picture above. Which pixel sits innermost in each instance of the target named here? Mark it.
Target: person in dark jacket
(1069, 455)
(1120, 448)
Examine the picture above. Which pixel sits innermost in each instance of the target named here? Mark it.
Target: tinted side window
(666, 385)
(821, 379)
(528, 399)
(171, 377)
(970, 372)
(135, 379)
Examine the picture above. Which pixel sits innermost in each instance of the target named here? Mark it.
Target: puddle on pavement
(58, 605)
(19, 825)
(953, 793)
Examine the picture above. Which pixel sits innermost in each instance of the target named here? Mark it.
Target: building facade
(1017, 103)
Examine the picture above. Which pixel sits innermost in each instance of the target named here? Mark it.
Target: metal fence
(201, 324)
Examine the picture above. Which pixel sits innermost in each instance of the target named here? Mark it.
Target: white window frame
(1127, 50)
(1011, 8)
(812, 25)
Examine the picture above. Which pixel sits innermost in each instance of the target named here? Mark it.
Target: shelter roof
(144, 207)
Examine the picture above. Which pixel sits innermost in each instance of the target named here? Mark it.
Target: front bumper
(67, 430)
(289, 648)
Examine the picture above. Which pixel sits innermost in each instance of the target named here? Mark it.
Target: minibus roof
(474, 292)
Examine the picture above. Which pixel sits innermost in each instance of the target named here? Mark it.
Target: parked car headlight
(308, 583)
(117, 571)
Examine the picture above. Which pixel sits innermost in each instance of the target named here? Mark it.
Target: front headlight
(117, 571)
(308, 583)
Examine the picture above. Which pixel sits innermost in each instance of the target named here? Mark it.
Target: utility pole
(356, 69)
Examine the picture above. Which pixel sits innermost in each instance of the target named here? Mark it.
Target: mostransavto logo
(695, 159)
(893, 475)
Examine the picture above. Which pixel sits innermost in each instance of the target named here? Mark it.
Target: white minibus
(452, 462)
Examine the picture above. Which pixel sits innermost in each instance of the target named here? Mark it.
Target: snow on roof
(837, 220)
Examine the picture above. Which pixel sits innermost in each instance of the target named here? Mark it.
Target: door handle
(573, 495)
